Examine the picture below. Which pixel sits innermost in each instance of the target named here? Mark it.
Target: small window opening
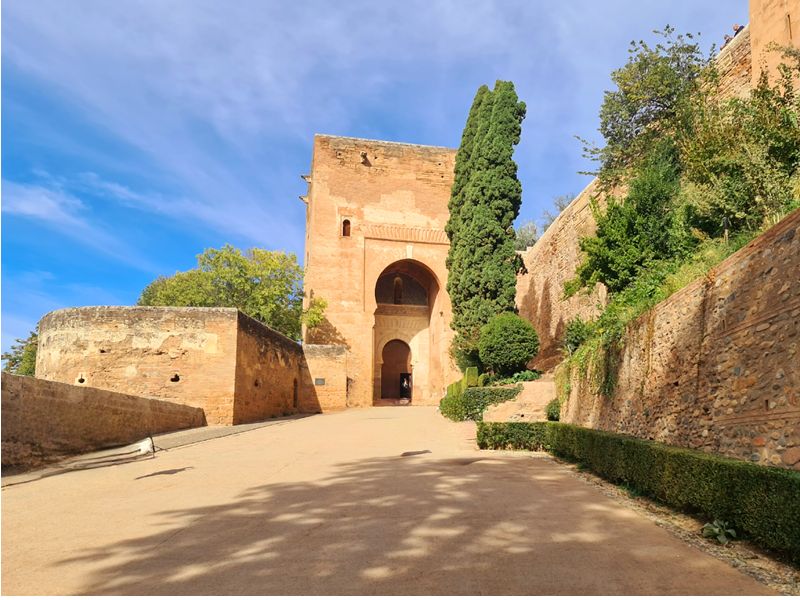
(103, 350)
(257, 383)
(175, 378)
(398, 290)
(294, 395)
(346, 228)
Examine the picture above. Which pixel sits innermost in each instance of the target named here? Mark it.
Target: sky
(136, 134)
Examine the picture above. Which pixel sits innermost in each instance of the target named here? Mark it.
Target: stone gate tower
(375, 251)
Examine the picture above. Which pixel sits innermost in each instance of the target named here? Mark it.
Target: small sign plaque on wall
(319, 381)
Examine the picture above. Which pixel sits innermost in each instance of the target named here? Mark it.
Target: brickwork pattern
(715, 366)
(734, 65)
(550, 263)
(235, 368)
(395, 198)
(44, 421)
(268, 373)
(185, 355)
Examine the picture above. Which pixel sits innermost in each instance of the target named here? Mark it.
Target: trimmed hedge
(470, 404)
(761, 502)
(553, 410)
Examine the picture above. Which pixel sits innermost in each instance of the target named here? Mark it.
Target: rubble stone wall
(715, 366)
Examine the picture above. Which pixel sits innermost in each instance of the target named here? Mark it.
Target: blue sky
(135, 134)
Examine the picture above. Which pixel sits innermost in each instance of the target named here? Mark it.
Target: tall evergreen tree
(485, 201)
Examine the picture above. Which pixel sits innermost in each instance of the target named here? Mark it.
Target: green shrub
(528, 375)
(553, 410)
(471, 376)
(470, 404)
(513, 436)
(451, 406)
(577, 332)
(761, 502)
(506, 344)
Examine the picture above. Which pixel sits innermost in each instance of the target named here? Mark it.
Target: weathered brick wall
(734, 65)
(550, 263)
(772, 22)
(46, 420)
(395, 197)
(715, 366)
(324, 378)
(268, 373)
(185, 355)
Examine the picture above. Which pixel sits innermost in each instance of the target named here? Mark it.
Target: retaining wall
(47, 420)
(717, 365)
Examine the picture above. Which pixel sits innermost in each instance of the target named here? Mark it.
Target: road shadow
(491, 524)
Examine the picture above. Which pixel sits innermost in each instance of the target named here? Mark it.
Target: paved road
(329, 504)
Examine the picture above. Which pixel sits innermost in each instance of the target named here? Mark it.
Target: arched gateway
(407, 349)
(376, 253)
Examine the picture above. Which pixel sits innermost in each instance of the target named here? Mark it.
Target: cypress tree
(463, 157)
(454, 225)
(485, 202)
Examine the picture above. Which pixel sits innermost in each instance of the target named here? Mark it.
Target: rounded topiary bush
(507, 342)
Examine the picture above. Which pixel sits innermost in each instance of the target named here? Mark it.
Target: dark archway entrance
(409, 328)
(396, 370)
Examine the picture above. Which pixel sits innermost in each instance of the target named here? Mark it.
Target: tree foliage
(507, 343)
(526, 235)
(485, 200)
(21, 357)
(635, 234)
(559, 204)
(651, 90)
(267, 285)
(704, 174)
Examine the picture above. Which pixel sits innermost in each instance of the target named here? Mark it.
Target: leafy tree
(526, 235)
(21, 358)
(741, 156)
(559, 204)
(577, 332)
(635, 234)
(651, 90)
(507, 343)
(485, 201)
(266, 285)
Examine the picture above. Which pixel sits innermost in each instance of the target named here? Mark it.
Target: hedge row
(466, 402)
(762, 502)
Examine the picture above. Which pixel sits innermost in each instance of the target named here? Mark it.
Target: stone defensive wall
(715, 366)
(550, 263)
(44, 421)
(235, 368)
(735, 66)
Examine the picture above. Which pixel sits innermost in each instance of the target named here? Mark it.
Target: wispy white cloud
(68, 215)
(51, 206)
(216, 93)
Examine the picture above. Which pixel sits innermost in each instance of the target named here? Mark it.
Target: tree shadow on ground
(407, 525)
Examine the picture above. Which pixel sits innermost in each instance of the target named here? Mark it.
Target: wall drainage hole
(175, 378)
